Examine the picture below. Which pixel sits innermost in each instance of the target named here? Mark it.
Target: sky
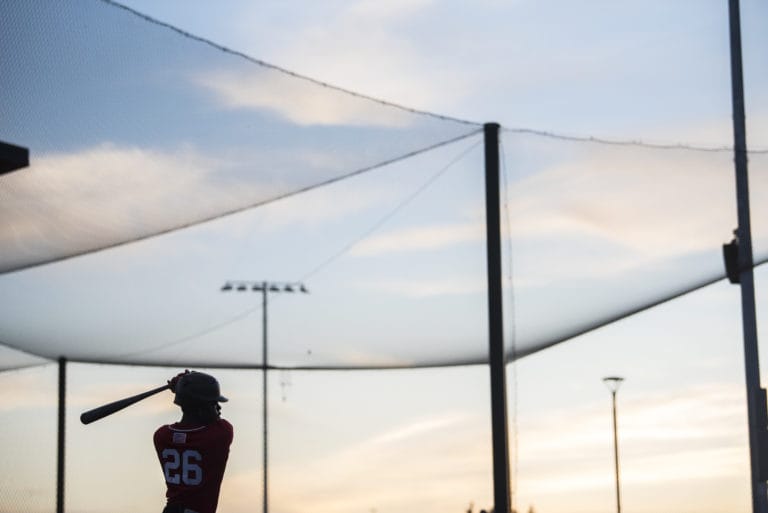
(395, 440)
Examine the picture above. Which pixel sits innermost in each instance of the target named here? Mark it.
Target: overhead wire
(625, 142)
(285, 71)
(444, 117)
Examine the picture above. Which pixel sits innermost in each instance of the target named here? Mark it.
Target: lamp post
(265, 287)
(613, 383)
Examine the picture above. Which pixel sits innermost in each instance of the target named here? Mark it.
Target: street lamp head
(242, 287)
(613, 382)
(274, 288)
(257, 288)
(303, 289)
(227, 287)
(288, 288)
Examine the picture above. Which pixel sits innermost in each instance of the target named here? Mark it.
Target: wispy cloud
(104, 194)
(296, 100)
(351, 38)
(422, 238)
(420, 288)
(639, 199)
(413, 464)
(368, 37)
(107, 194)
(417, 429)
(665, 437)
(671, 443)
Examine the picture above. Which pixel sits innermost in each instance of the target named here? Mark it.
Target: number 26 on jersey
(182, 467)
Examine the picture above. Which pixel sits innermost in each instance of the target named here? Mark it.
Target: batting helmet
(196, 388)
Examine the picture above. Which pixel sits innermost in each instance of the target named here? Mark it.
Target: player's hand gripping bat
(108, 409)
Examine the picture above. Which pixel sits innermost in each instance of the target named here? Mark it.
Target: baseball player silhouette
(193, 452)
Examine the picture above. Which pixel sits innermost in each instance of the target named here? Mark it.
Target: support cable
(512, 327)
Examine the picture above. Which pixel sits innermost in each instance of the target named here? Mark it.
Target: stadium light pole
(613, 383)
(265, 287)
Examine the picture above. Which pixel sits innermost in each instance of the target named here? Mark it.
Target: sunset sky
(392, 441)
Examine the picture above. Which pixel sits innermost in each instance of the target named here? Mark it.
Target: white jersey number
(190, 474)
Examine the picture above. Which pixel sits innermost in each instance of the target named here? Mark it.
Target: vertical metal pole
(616, 453)
(61, 438)
(264, 292)
(497, 356)
(755, 407)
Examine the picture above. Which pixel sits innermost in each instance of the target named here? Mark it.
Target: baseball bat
(108, 409)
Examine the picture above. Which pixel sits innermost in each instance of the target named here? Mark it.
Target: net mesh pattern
(137, 129)
(591, 233)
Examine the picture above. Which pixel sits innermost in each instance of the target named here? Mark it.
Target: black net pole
(61, 438)
(616, 452)
(264, 411)
(497, 356)
(755, 398)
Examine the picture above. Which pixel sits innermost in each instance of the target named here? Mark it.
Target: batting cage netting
(190, 206)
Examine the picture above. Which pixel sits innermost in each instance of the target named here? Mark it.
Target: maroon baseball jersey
(193, 461)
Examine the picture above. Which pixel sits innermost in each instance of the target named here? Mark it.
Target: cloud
(664, 437)
(323, 205)
(601, 211)
(363, 46)
(104, 195)
(372, 11)
(297, 100)
(360, 37)
(420, 288)
(670, 442)
(36, 390)
(653, 202)
(27, 390)
(101, 196)
(423, 238)
(417, 429)
(414, 464)
(612, 209)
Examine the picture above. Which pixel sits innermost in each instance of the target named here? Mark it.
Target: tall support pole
(264, 292)
(265, 287)
(496, 353)
(61, 438)
(756, 407)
